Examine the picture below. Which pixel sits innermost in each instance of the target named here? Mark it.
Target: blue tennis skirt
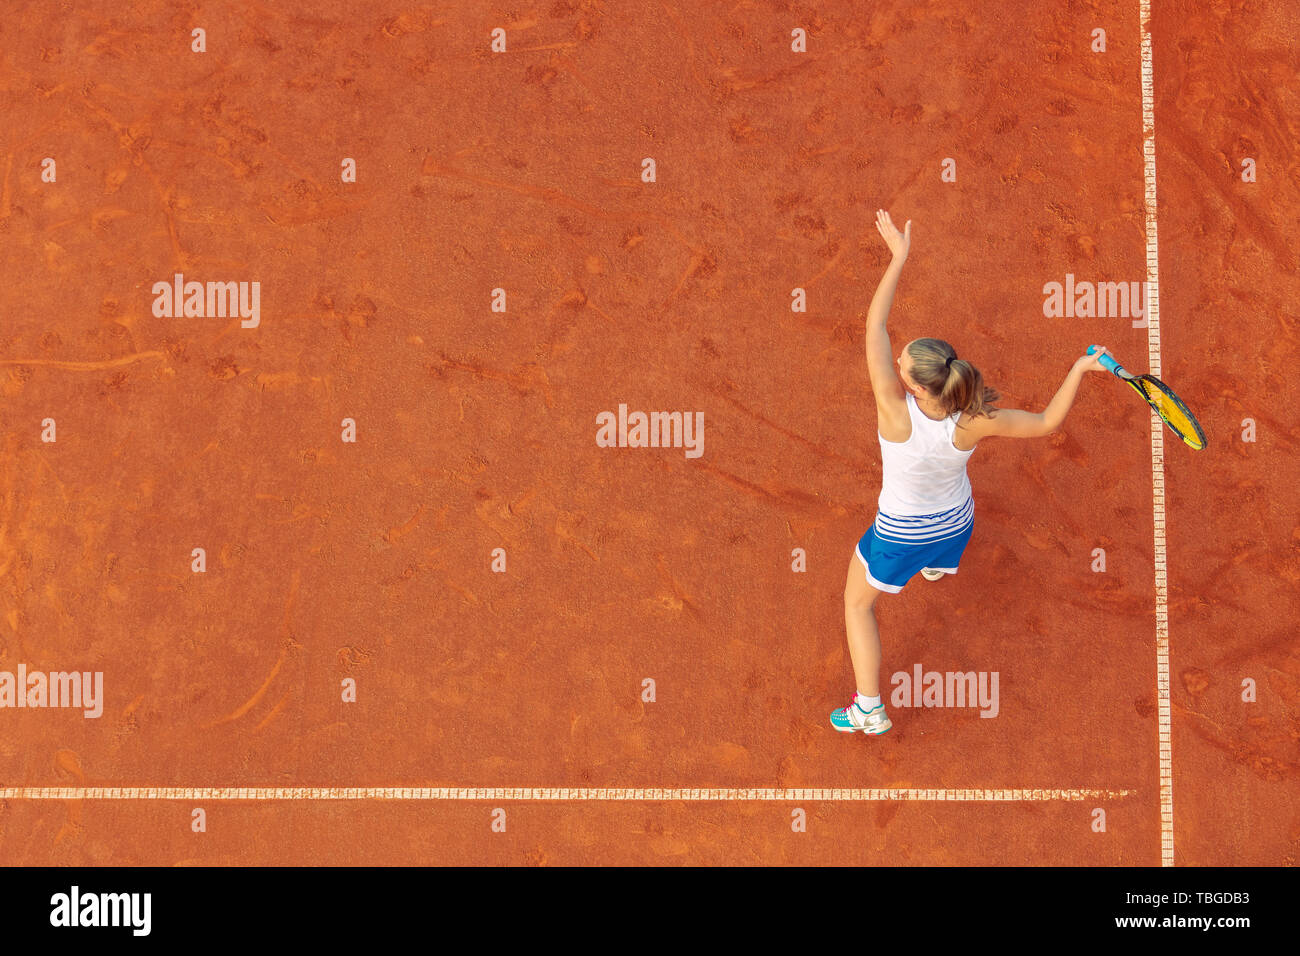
(897, 547)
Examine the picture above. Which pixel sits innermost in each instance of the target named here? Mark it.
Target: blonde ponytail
(955, 383)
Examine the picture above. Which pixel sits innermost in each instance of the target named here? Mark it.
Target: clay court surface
(476, 431)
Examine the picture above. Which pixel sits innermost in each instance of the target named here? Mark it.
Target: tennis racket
(1161, 398)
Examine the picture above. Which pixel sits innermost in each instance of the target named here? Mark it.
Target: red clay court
(495, 585)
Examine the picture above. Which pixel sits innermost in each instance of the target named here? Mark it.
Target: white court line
(826, 795)
(1157, 451)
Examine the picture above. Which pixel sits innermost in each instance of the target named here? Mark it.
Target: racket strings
(1173, 412)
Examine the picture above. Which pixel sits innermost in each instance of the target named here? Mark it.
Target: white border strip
(542, 793)
(1157, 451)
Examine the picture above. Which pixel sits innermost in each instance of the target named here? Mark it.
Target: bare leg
(860, 623)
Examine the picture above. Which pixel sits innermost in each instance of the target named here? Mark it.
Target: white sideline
(1157, 451)
(824, 794)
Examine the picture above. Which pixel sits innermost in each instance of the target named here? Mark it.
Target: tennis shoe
(853, 718)
(932, 575)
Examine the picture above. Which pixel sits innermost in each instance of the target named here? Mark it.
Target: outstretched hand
(899, 242)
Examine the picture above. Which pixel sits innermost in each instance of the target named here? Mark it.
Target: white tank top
(925, 474)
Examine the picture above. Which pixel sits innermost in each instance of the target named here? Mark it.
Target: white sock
(865, 702)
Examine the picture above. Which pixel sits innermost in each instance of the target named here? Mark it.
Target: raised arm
(880, 356)
(1014, 423)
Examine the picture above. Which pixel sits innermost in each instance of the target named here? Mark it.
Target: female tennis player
(931, 415)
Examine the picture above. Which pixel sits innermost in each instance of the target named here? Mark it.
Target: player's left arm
(880, 355)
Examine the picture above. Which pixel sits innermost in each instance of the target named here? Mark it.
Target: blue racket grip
(1108, 363)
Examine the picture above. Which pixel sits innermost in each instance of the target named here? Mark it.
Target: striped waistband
(923, 529)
